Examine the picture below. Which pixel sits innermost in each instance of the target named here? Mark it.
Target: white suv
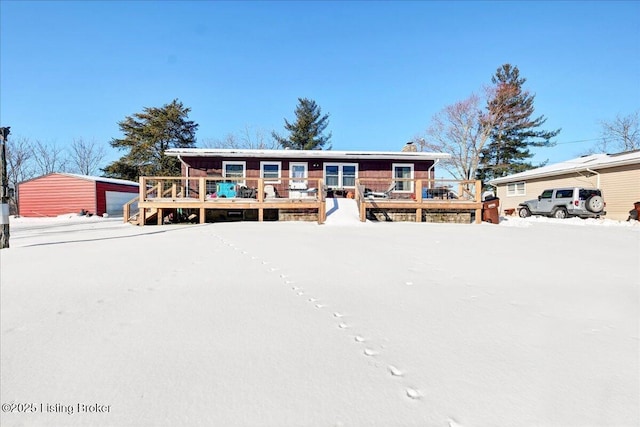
(565, 202)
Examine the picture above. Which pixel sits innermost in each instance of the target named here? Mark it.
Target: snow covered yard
(528, 323)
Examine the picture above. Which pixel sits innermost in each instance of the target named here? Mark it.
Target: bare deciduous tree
(19, 166)
(462, 130)
(49, 158)
(620, 134)
(248, 138)
(19, 160)
(86, 156)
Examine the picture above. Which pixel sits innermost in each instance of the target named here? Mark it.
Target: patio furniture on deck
(381, 194)
(270, 192)
(226, 189)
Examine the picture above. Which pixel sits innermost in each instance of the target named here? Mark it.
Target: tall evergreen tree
(147, 136)
(514, 130)
(307, 131)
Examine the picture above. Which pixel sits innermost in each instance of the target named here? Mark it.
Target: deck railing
(419, 195)
(418, 189)
(201, 194)
(130, 209)
(214, 188)
(157, 194)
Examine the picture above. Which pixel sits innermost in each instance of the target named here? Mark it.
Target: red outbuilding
(61, 193)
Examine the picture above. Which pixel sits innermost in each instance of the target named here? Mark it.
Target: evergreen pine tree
(147, 135)
(513, 128)
(307, 131)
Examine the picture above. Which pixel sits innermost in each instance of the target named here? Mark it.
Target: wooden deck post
(322, 211)
(261, 190)
(478, 200)
(143, 188)
(418, 188)
(202, 189)
(202, 215)
(141, 199)
(322, 206)
(143, 216)
(126, 212)
(160, 216)
(261, 199)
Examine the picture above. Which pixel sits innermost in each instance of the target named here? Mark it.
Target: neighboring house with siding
(61, 193)
(617, 175)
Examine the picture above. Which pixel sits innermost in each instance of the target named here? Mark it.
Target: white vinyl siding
(620, 189)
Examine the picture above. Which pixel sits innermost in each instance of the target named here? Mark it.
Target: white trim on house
(273, 180)
(403, 183)
(301, 183)
(515, 189)
(340, 176)
(226, 163)
(584, 163)
(323, 154)
(89, 178)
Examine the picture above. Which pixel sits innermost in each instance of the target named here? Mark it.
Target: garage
(62, 193)
(115, 200)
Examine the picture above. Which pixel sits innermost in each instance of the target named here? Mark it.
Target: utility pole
(4, 206)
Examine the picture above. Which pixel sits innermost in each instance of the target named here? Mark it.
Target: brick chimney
(409, 146)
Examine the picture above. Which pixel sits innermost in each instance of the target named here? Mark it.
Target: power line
(578, 140)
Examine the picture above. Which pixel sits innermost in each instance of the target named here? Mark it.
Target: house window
(515, 189)
(299, 171)
(340, 175)
(271, 172)
(403, 171)
(234, 170)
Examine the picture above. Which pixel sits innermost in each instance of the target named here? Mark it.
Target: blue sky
(380, 69)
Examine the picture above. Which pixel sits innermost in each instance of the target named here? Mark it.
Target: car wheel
(594, 204)
(524, 212)
(560, 213)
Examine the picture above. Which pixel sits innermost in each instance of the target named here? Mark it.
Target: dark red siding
(56, 194)
(212, 166)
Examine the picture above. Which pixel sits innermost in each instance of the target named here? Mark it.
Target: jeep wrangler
(565, 202)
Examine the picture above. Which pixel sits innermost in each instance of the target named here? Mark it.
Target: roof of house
(584, 163)
(90, 178)
(324, 154)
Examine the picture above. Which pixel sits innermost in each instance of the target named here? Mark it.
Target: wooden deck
(161, 197)
(441, 196)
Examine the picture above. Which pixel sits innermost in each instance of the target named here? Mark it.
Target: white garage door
(115, 201)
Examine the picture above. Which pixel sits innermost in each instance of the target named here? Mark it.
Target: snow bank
(531, 322)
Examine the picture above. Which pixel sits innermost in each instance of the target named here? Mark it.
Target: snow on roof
(331, 154)
(101, 179)
(593, 162)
